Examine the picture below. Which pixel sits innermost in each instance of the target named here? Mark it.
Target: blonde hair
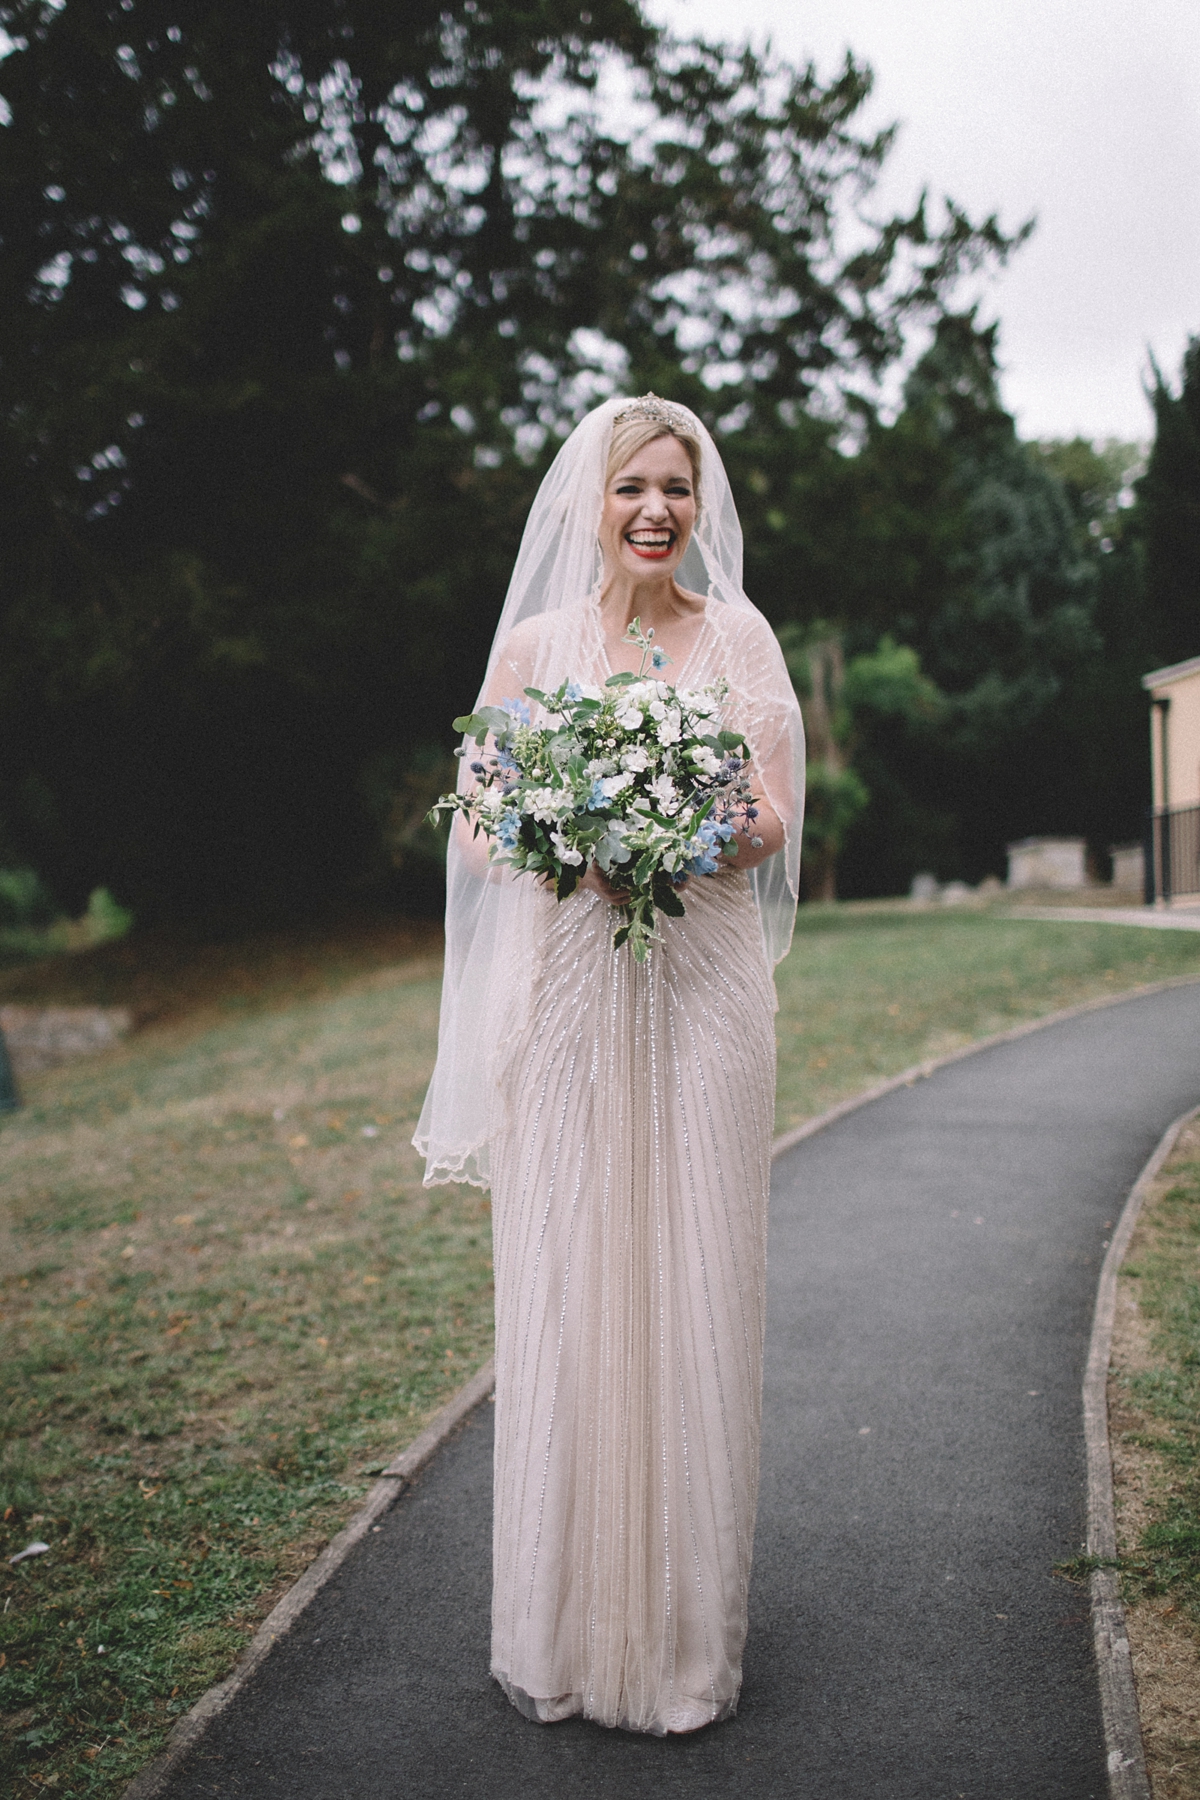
(633, 432)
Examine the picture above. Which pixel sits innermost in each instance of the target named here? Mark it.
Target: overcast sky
(1085, 112)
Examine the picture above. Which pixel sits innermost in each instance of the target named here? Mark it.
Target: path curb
(150, 1782)
(386, 1491)
(1127, 1775)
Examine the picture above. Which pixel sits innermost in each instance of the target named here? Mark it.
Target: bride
(622, 1114)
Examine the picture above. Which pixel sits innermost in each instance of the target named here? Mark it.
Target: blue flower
(704, 864)
(705, 858)
(574, 692)
(508, 828)
(659, 659)
(597, 798)
(518, 710)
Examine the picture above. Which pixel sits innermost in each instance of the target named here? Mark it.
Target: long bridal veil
(489, 913)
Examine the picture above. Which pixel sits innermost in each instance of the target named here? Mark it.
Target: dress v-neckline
(688, 660)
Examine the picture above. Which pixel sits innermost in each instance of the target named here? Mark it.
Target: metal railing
(1172, 852)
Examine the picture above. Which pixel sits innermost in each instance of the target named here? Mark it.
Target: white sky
(1085, 112)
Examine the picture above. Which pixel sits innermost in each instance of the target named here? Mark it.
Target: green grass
(223, 1304)
(869, 991)
(1162, 1272)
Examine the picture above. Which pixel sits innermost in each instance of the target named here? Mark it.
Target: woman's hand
(598, 883)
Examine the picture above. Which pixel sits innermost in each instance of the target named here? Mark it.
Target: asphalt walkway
(933, 1266)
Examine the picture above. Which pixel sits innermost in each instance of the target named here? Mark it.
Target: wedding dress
(623, 1115)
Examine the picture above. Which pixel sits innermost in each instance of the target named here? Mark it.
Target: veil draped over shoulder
(550, 631)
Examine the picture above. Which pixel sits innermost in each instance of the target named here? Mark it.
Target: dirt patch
(164, 976)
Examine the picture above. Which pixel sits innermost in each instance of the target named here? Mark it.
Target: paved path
(933, 1266)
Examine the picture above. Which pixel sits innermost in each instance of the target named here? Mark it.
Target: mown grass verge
(1154, 1415)
(226, 1296)
(869, 991)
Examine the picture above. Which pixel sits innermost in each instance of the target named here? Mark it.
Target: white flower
(601, 765)
(666, 793)
(705, 761)
(616, 784)
(566, 851)
(668, 731)
(547, 804)
(628, 717)
(490, 801)
(635, 760)
(699, 702)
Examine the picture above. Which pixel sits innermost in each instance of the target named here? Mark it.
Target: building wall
(1183, 742)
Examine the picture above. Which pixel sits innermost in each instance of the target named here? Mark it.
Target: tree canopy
(299, 297)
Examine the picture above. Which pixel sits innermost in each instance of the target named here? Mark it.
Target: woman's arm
(766, 825)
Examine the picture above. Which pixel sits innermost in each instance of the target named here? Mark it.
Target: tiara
(662, 412)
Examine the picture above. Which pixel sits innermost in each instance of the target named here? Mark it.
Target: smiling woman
(622, 1111)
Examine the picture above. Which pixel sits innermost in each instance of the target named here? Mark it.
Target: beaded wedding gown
(629, 1164)
(622, 1116)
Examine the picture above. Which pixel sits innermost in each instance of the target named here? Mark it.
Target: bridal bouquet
(636, 777)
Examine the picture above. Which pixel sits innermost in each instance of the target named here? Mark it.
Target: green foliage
(941, 532)
(833, 800)
(887, 682)
(283, 362)
(1169, 505)
(1098, 482)
(398, 789)
(846, 706)
(31, 926)
(24, 899)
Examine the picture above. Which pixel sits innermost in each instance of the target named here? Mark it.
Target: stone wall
(38, 1037)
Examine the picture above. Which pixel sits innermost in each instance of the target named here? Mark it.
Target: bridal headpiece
(662, 412)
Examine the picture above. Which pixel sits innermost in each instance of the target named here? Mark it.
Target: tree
(847, 709)
(1103, 745)
(296, 300)
(983, 577)
(1169, 515)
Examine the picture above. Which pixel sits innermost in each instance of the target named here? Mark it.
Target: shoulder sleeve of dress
(516, 662)
(765, 700)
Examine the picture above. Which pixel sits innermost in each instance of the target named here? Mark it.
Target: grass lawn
(226, 1296)
(1154, 1413)
(870, 990)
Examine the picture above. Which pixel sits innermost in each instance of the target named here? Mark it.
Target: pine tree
(1169, 509)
